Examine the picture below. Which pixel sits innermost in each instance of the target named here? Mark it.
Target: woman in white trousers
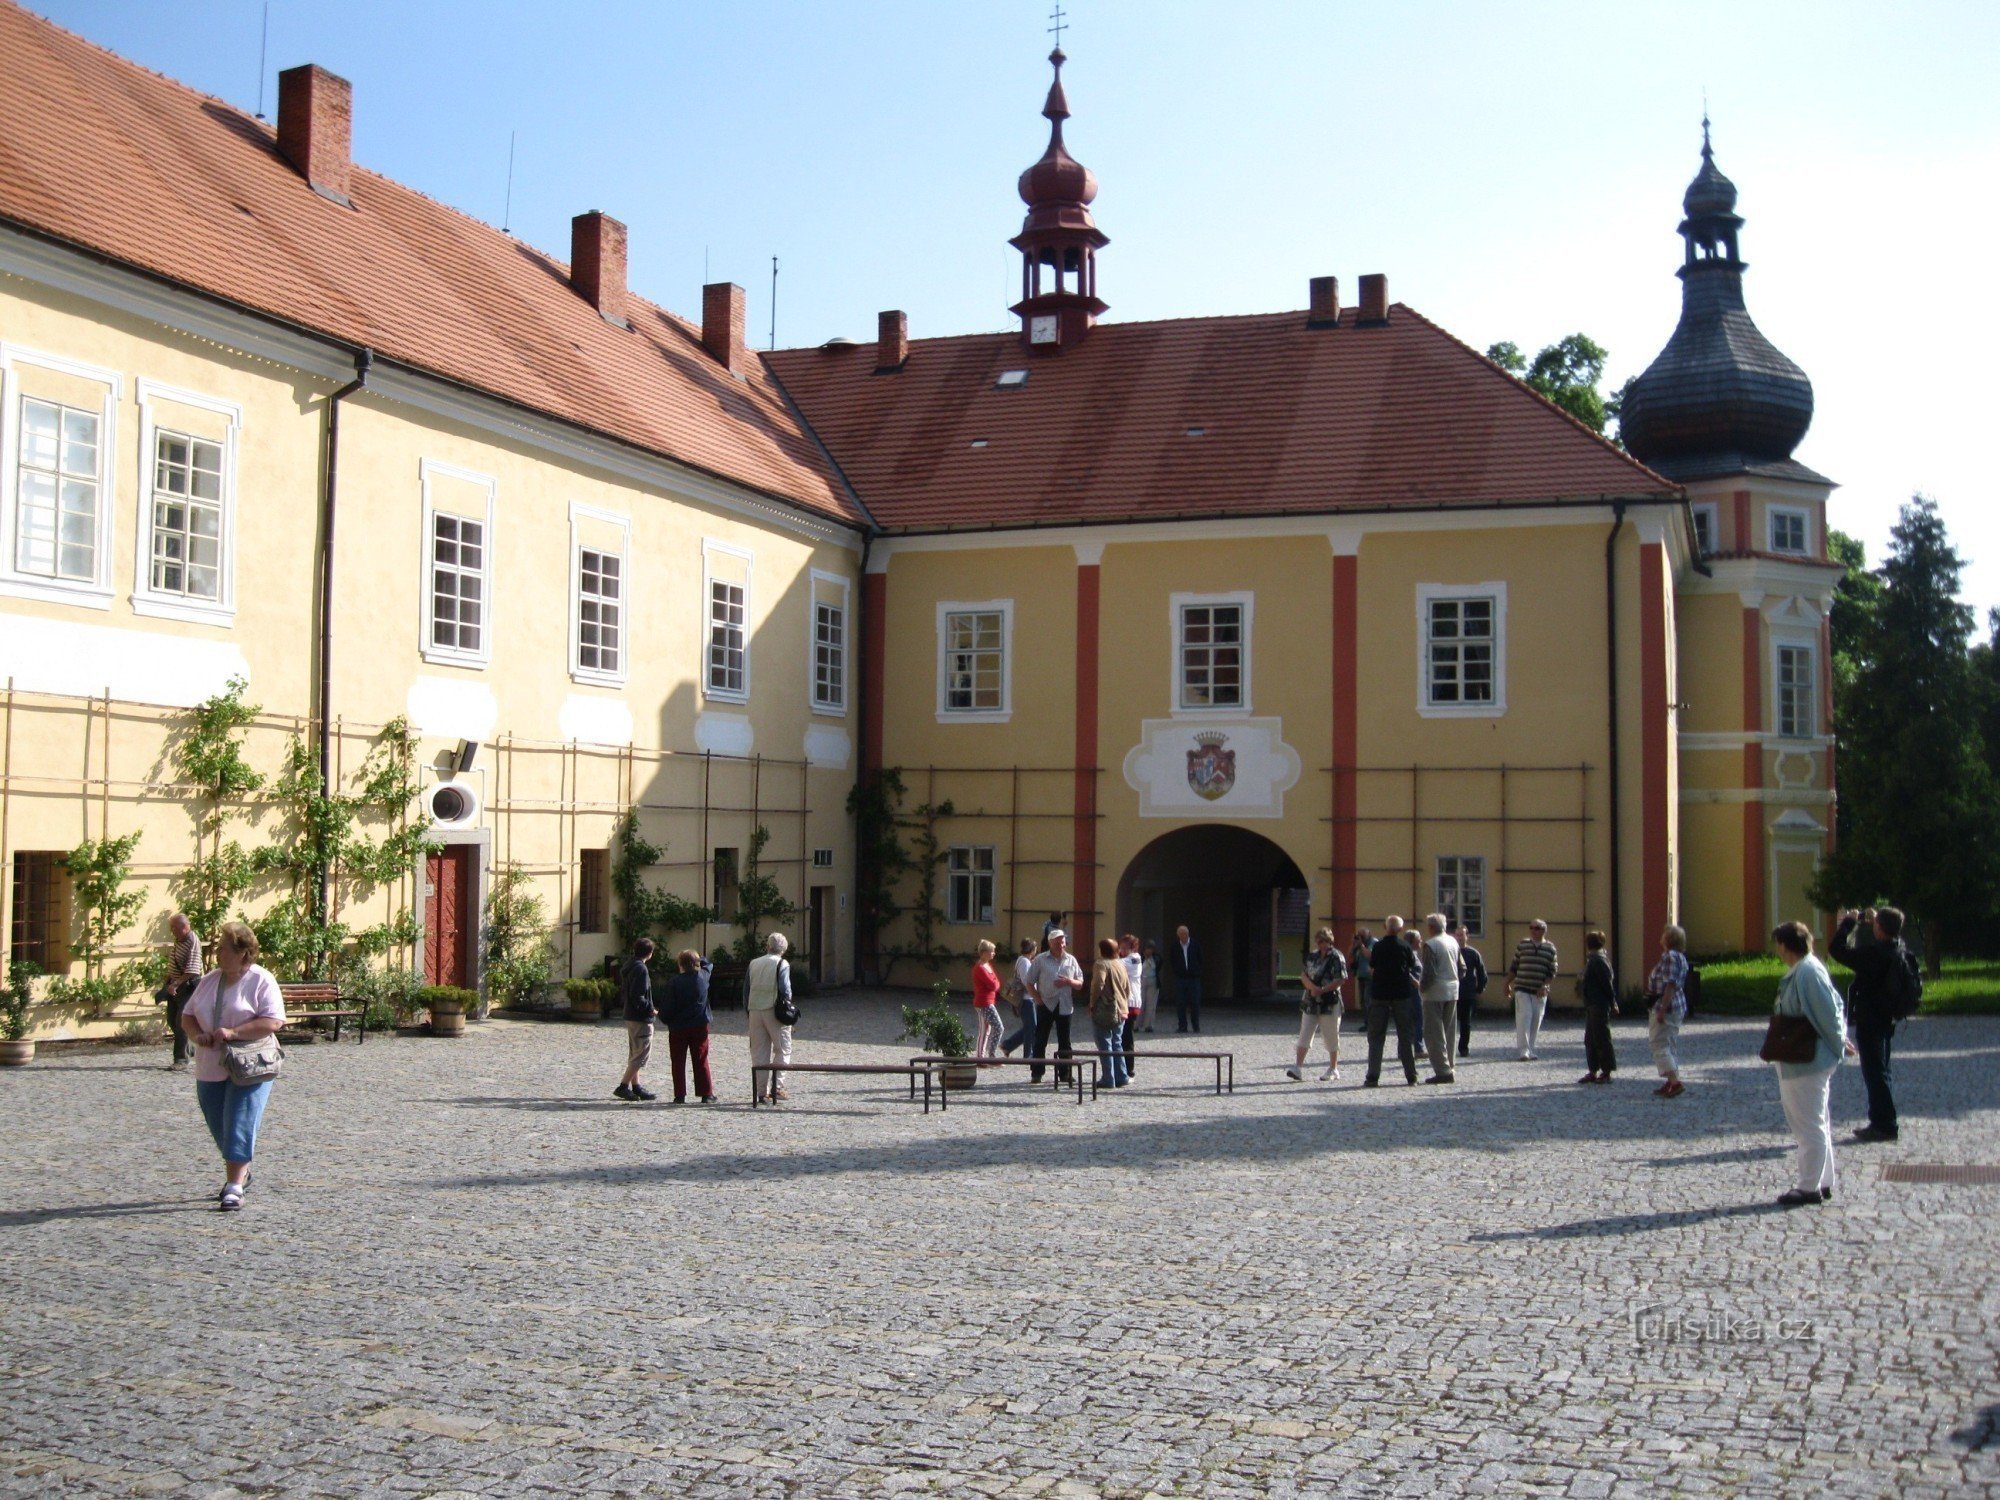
(1802, 1086)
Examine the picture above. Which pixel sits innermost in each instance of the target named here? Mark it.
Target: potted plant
(588, 997)
(16, 1047)
(938, 1030)
(447, 1004)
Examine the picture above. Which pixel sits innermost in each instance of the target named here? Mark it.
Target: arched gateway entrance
(1240, 895)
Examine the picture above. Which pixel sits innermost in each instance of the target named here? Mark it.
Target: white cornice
(1752, 578)
(1771, 488)
(1343, 533)
(84, 275)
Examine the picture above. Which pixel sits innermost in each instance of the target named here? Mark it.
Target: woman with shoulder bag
(1320, 978)
(1806, 994)
(1110, 1001)
(233, 1019)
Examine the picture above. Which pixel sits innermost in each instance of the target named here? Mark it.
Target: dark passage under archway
(1241, 896)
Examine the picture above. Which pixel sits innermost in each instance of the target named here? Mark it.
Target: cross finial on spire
(1059, 23)
(1706, 149)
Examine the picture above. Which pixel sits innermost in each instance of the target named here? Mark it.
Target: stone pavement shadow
(1720, 1158)
(1622, 1224)
(23, 1218)
(1982, 1432)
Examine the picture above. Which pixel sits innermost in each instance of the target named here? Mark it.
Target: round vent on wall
(452, 804)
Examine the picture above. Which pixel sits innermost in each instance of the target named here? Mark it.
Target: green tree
(1568, 372)
(1856, 600)
(1915, 782)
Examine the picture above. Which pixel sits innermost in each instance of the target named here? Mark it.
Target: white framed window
(975, 662)
(725, 629)
(969, 883)
(457, 565)
(1795, 689)
(58, 427)
(600, 619)
(827, 646)
(1790, 529)
(1461, 650)
(1461, 890)
(1212, 652)
(1707, 520)
(187, 505)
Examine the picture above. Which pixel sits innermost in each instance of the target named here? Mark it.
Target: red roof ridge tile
(759, 442)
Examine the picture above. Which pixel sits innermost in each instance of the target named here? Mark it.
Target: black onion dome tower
(1719, 399)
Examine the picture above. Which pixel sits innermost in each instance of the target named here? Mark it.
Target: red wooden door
(447, 926)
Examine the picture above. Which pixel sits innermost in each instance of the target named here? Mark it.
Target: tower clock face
(1042, 329)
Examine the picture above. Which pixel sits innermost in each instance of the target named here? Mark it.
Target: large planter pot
(961, 1074)
(15, 1054)
(585, 1008)
(447, 1020)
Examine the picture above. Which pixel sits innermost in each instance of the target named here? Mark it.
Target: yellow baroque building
(1254, 624)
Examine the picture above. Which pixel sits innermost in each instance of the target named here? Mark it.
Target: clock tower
(1058, 242)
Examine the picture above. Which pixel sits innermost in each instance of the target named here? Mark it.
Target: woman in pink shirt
(986, 1002)
(236, 1001)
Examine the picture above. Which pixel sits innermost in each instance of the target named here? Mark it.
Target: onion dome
(1710, 192)
(1720, 399)
(1058, 186)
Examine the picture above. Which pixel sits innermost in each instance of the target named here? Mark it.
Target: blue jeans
(1128, 1032)
(1187, 1001)
(233, 1112)
(1871, 1040)
(1025, 1036)
(1111, 1049)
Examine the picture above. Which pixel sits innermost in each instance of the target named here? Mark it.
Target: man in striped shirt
(183, 973)
(1529, 977)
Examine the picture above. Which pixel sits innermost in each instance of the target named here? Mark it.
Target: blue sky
(1515, 169)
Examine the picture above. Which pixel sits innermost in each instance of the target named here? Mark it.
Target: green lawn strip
(1736, 984)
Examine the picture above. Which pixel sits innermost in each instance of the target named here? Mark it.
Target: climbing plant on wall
(209, 756)
(100, 874)
(642, 910)
(301, 934)
(758, 901)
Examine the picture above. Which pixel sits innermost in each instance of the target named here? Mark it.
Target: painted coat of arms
(1211, 770)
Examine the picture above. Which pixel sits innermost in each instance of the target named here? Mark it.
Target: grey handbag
(253, 1062)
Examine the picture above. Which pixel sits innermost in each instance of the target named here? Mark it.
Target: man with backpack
(1887, 988)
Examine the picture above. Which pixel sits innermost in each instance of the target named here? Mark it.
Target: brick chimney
(315, 127)
(1374, 299)
(1325, 302)
(892, 341)
(722, 325)
(597, 264)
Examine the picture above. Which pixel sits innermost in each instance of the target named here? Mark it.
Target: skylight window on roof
(1011, 380)
(979, 442)
(1197, 432)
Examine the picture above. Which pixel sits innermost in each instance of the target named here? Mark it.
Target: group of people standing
(768, 1003)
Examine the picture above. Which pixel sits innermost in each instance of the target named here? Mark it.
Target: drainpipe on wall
(364, 360)
(1611, 675)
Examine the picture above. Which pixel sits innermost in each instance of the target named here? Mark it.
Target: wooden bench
(1074, 1063)
(906, 1070)
(313, 1003)
(1220, 1059)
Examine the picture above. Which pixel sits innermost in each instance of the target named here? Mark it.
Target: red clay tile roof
(101, 153)
(1291, 419)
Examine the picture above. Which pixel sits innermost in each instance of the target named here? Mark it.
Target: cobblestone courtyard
(464, 1270)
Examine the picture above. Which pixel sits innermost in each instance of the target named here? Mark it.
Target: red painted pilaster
(1745, 542)
(1754, 919)
(1655, 900)
(1083, 887)
(1346, 741)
